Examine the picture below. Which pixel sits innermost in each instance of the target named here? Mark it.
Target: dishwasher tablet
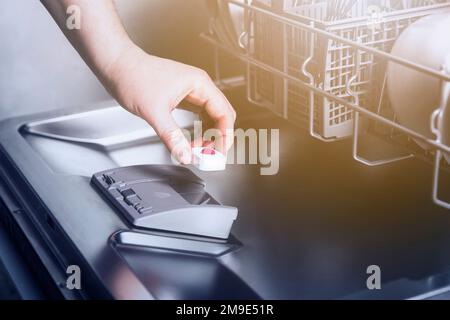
(208, 159)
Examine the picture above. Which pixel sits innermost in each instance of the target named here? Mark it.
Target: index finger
(218, 109)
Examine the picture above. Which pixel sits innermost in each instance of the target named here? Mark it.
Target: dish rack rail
(327, 72)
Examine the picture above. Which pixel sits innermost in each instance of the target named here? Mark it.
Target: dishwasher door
(312, 230)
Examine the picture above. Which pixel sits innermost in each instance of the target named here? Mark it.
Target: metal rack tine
(312, 82)
(356, 122)
(370, 163)
(436, 128)
(436, 179)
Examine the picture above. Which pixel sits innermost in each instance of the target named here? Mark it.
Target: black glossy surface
(309, 232)
(312, 230)
(7, 289)
(175, 276)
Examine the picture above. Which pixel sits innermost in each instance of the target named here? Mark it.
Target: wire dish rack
(324, 61)
(322, 65)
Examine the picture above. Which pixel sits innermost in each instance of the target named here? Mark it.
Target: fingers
(171, 135)
(218, 108)
(206, 95)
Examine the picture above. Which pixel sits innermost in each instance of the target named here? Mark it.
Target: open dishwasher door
(315, 229)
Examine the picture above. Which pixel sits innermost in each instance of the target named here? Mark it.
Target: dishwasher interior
(330, 67)
(311, 231)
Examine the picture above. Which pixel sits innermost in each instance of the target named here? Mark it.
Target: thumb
(172, 136)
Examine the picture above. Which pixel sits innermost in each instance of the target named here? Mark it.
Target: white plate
(413, 95)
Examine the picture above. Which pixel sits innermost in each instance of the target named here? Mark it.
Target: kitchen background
(39, 70)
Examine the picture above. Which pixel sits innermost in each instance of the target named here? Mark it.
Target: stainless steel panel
(96, 140)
